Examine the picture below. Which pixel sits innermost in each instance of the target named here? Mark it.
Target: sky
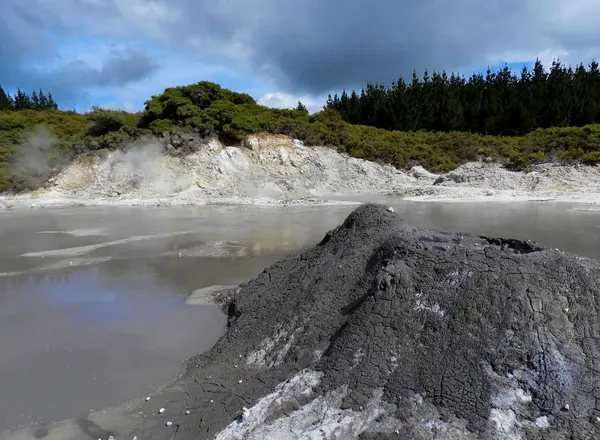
(118, 53)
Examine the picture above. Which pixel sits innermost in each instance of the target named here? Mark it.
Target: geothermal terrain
(385, 330)
(272, 169)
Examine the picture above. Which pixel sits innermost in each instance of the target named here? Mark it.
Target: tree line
(495, 103)
(23, 101)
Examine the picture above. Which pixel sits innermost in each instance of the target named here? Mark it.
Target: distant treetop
(495, 103)
(22, 101)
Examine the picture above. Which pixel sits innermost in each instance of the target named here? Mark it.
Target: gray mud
(216, 295)
(388, 331)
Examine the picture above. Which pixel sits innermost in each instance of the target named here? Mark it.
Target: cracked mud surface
(388, 331)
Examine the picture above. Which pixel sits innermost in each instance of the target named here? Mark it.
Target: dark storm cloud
(313, 45)
(28, 39)
(316, 45)
(309, 46)
(20, 36)
(122, 67)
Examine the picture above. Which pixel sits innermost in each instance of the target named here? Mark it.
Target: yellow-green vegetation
(207, 109)
(34, 144)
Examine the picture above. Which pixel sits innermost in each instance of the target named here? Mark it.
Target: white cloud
(289, 100)
(299, 50)
(132, 97)
(154, 16)
(313, 46)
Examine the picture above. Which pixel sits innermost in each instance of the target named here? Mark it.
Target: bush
(104, 121)
(207, 109)
(160, 126)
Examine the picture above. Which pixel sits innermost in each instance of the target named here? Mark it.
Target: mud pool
(92, 300)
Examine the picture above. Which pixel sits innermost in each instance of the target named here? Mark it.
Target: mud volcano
(388, 331)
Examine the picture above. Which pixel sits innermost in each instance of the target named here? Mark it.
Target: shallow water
(92, 300)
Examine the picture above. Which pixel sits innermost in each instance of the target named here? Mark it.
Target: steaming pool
(93, 300)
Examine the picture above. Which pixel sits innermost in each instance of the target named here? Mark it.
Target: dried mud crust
(388, 331)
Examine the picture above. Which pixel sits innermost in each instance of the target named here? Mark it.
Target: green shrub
(160, 126)
(207, 109)
(591, 158)
(104, 121)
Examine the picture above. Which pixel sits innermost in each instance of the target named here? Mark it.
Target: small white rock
(147, 398)
(134, 437)
(566, 407)
(598, 419)
(188, 412)
(162, 410)
(240, 381)
(169, 423)
(390, 209)
(211, 401)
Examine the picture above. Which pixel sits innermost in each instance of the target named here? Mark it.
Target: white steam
(142, 170)
(145, 166)
(36, 156)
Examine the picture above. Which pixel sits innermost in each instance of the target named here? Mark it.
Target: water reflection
(93, 316)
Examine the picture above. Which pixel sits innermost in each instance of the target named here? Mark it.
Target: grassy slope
(206, 109)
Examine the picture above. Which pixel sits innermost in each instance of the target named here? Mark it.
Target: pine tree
(594, 89)
(43, 100)
(22, 100)
(5, 100)
(497, 102)
(51, 103)
(35, 101)
(329, 104)
(301, 107)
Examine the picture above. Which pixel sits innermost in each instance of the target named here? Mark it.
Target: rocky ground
(388, 331)
(271, 169)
